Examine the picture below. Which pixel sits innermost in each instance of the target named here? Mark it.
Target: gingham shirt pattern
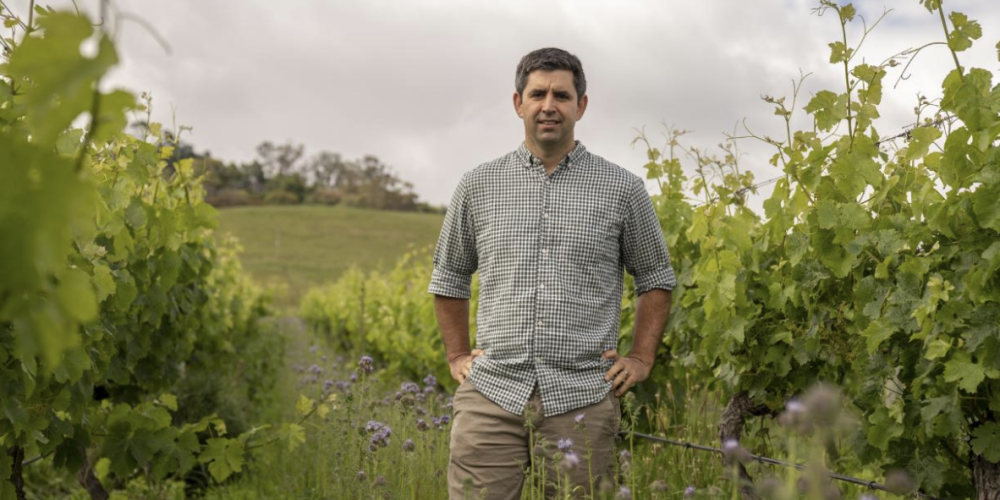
(550, 250)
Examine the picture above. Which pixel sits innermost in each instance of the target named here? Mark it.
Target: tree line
(283, 174)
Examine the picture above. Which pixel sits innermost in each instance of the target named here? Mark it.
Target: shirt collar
(529, 160)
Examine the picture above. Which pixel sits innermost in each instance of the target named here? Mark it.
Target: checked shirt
(550, 250)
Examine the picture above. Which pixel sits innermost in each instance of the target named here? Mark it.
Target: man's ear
(581, 106)
(517, 104)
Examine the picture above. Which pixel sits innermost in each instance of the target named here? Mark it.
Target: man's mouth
(550, 123)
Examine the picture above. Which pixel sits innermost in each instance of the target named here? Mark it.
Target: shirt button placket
(542, 265)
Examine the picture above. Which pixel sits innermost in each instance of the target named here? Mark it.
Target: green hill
(299, 247)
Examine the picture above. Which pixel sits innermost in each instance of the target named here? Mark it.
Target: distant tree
(280, 159)
(282, 174)
(325, 169)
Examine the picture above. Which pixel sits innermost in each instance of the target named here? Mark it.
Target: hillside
(298, 247)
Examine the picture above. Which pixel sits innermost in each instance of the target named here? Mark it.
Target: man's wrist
(646, 360)
(453, 357)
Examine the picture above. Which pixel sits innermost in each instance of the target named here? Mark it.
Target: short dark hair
(549, 59)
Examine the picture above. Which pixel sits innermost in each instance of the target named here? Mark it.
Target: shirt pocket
(592, 240)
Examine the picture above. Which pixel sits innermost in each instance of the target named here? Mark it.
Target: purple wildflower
(579, 418)
(361, 475)
(327, 384)
(408, 445)
(343, 386)
(313, 348)
(570, 461)
(624, 456)
(565, 444)
(410, 387)
(689, 492)
(354, 377)
(624, 493)
(430, 381)
(316, 369)
(422, 425)
(380, 434)
(366, 364)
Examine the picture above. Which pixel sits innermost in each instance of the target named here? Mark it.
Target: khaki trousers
(492, 450)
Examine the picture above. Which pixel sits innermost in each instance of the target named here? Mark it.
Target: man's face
(549, 107)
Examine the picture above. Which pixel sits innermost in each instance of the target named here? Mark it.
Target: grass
(337, 461)
(294, 248)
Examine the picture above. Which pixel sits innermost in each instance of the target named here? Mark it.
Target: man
(549, 227)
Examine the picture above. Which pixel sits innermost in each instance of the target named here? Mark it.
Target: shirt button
(545, 250)
(547, 182)
(541, 323)
(545, 215)
(541, 286)
(538, 359)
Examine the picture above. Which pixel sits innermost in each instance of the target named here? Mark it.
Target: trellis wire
(772, 461)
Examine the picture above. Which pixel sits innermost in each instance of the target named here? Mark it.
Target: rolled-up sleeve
(643, 248)
(455, 258)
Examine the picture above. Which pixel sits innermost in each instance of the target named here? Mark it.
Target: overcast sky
(426, 85)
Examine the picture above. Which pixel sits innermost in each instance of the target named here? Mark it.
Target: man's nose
(548, 105)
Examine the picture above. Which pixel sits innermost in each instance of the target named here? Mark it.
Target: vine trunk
(16, 477)
(731, 425)
(986, 478)
(89, 480)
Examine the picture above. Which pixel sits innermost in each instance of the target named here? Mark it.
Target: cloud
(426, 85)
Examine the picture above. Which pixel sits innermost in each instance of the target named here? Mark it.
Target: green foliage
(388, 315)
(872, 269)
(113, 278)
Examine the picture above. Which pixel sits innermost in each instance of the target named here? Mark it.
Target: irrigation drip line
(772, 461)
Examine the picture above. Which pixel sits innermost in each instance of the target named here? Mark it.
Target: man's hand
(461, 366)
(626, 371)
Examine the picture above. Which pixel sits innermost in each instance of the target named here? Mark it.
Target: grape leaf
(961, 369)
(963, 32)
(63, 80)
(986, 441)
(828, 108)
(304, 405)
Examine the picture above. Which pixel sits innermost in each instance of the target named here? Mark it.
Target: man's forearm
(651, 313)
(453, 319)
